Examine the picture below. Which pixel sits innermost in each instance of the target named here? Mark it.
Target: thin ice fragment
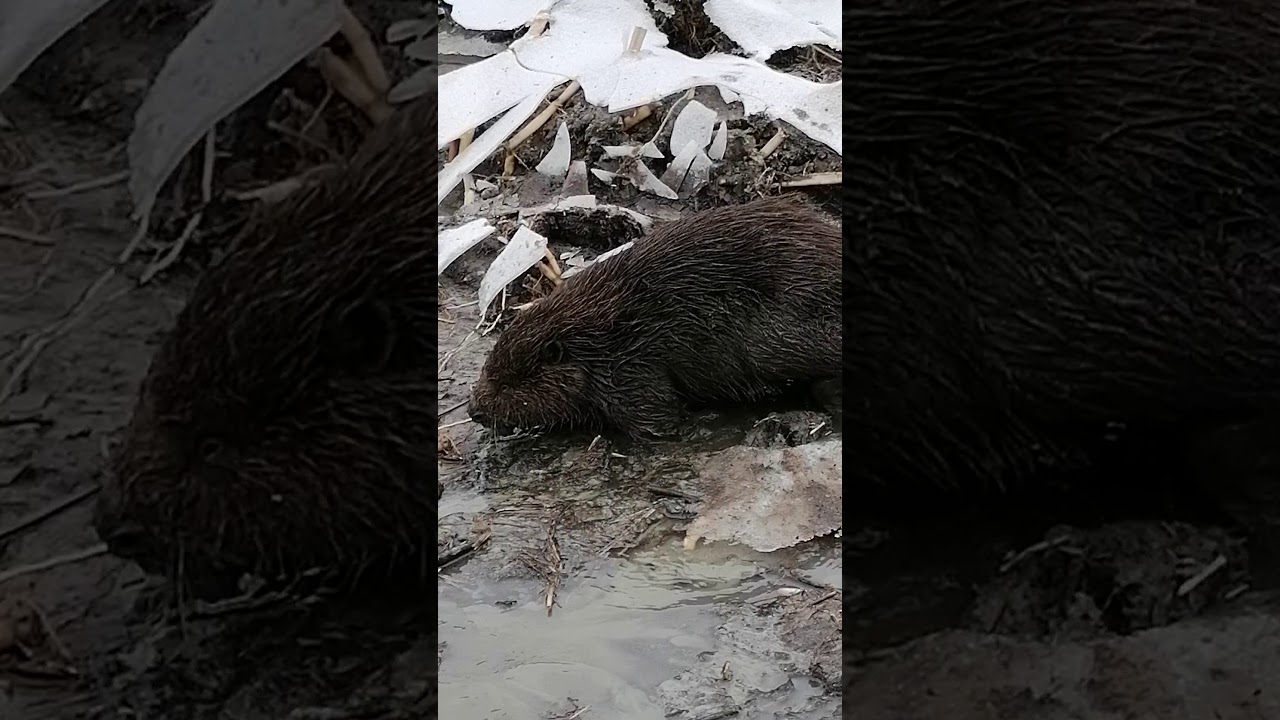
(694, 124)
(452, 243)
(556, 162)
(524, 251)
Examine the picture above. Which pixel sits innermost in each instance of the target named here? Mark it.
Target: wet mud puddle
(664, 632)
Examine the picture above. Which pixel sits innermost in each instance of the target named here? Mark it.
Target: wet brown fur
(286, 420)
(1068, 216)
(726, 305)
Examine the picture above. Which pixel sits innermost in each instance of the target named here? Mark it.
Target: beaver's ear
(363, 335)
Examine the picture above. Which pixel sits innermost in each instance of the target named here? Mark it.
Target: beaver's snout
(477, 412)
(481, 408)
(123, 538)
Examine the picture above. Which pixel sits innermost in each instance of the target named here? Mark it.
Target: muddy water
(627, 636)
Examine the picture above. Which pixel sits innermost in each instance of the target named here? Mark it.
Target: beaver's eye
(210, 449)
(362, 337)
(552, 353)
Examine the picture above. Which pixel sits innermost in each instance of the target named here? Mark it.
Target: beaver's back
(718, 307)
(1070, 215)
(746, 290)
(289, 405)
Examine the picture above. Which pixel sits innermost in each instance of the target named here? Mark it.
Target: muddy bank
(1099, 607)
(1208, 667)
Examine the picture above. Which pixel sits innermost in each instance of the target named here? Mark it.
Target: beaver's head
(556, 366)
(286, 422)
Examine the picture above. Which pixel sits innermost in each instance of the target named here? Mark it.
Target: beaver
(1067, 235)
(283, 423)
(727, 305)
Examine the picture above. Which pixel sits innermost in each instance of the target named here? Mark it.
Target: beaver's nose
(477, 414)
(124, 539)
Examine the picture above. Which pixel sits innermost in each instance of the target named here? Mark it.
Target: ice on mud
(524, 251)
(587, 41)
(770, 498)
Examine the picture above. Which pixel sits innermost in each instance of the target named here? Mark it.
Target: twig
(279, 190)
(47, 511)
(206, 194)
(352, 85)
(1030, 550)
(827, 178)
(468, 180)
(247, 602)
(538, 25)
(1193, 582)
(636, 39)
(144, 224)
(553, 571)
(175, 250)
(550, 258)
(449, 355)
(641, 515)
(671, 111)
(206, 172)
(641, 114)
(462, 550)
(25, 235)
(305, 139)
(830, 594)
(451, 408)
(468, 189)
(52, 635)
(772, 145)
(829, 54)
(364, 51)
(536, 124)
(42, 339)
(319, 108)
(79, 187)
(550, 267)
(77, 556)
(463, 421)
